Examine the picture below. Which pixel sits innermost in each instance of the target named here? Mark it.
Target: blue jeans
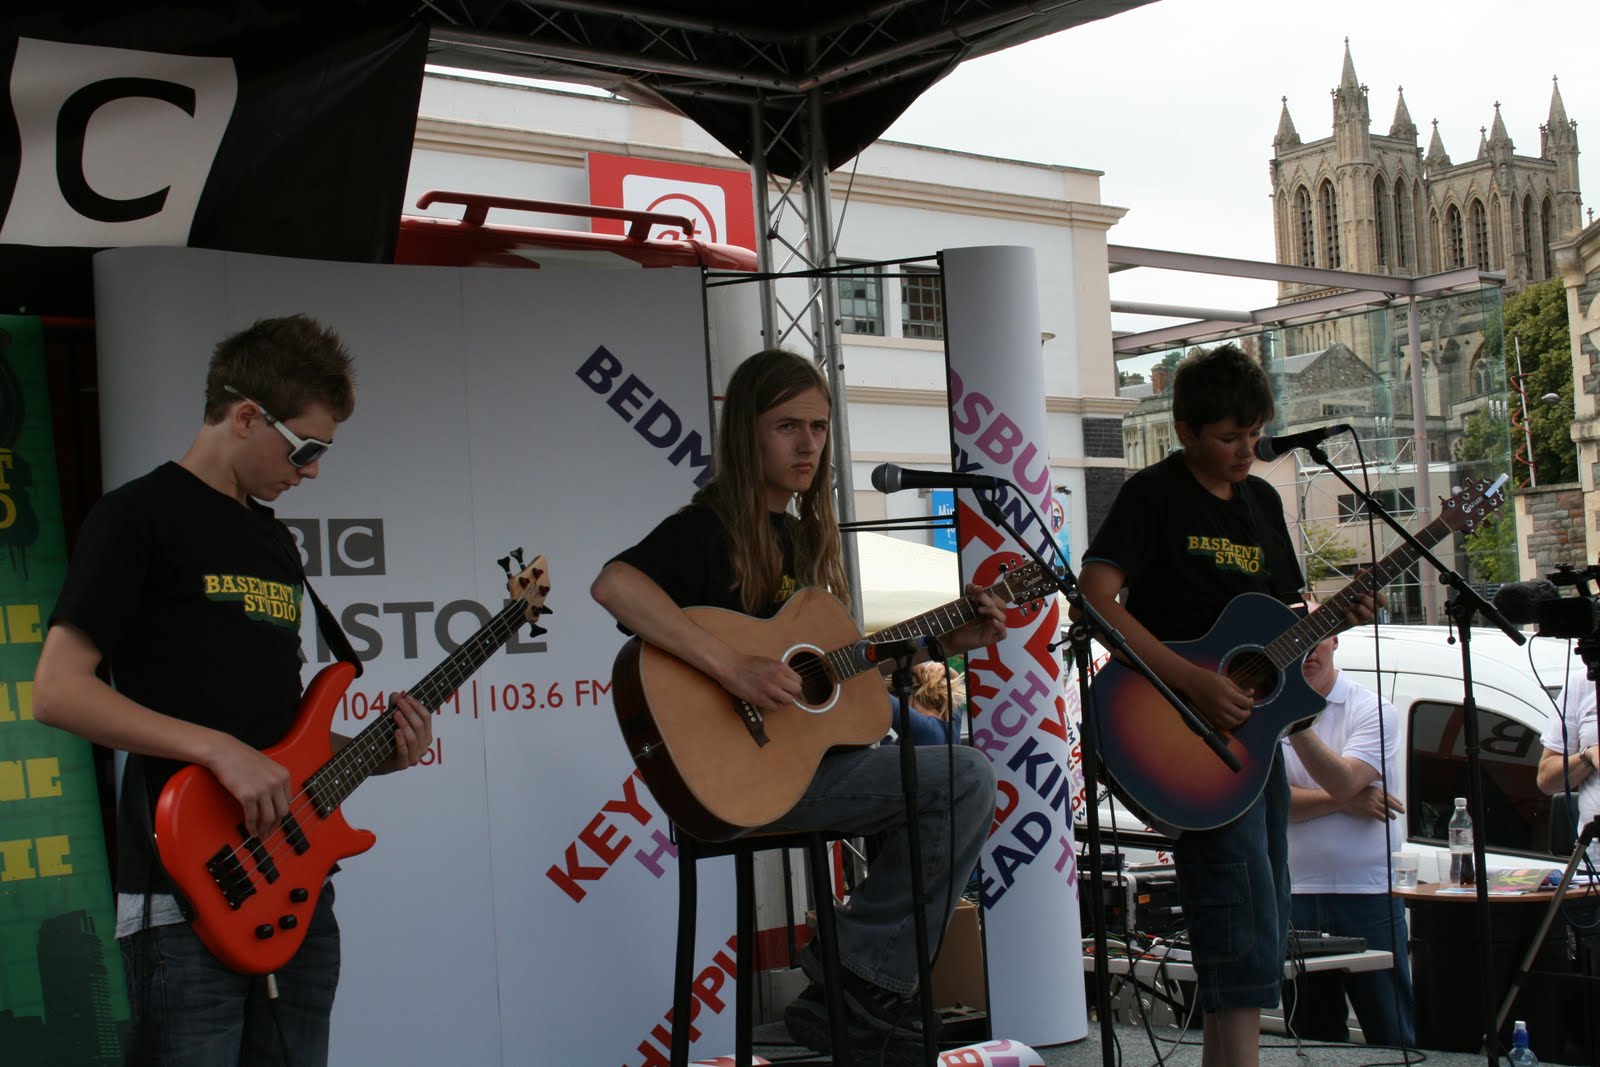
(188, 1010)
(859, 791)
(1315, 1005)
(1234, 885)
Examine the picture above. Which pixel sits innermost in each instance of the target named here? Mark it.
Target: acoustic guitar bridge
(752, 721)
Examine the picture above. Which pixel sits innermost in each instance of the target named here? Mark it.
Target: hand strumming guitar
(1216, 698)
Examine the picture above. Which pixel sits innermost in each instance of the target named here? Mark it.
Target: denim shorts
(1234, 885)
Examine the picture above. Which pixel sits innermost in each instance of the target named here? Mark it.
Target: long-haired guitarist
(1184, 537)
(186, 591)
(762, 528)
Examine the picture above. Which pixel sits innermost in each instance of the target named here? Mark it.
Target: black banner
(276, 128)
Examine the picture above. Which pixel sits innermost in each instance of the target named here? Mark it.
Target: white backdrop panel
(477, 429)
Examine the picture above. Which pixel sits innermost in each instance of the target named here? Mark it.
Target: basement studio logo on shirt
(1228, 555)
(273, 602)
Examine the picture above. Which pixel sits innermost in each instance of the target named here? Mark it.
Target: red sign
(718, 200)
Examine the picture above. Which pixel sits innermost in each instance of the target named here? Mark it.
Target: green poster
(62, 999)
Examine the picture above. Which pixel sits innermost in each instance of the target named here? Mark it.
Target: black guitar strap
(327, 625)
(330, 630)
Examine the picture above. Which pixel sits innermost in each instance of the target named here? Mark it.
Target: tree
(1327, 553)
(1129, 377)
(1492, 547)
(1536, 321)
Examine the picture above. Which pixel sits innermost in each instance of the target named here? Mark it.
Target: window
(1308, 229)
(1380, 218)
(921, 303)
(1517, 813)
(1546, 230)
(1330, 224)
(1402, 231)
(1482, 376)
(861, 300)
(1455, 243)
(1529, 242)
(1480, 236)
(1397, 502)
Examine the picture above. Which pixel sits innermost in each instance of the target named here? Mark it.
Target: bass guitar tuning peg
(505, 563)
(535, 630)
(516, 554)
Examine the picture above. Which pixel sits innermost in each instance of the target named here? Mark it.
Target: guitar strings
(302, 805)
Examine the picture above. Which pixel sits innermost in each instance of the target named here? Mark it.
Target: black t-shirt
(688, 556)
(194, 604)
(1184, 552)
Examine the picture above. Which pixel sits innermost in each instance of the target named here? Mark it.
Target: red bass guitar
(253, 897)
(1162, 769)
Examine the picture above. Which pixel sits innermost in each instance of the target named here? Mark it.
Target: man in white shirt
(1571, 756)
(1341, 831)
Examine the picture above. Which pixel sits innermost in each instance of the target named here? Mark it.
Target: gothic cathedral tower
(1377, 204)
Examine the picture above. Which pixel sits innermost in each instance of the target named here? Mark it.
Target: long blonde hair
(738, 491)
(937, 688)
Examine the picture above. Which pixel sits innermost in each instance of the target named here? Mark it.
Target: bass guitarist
(762, 528)
(1184, 537)
(187, 591)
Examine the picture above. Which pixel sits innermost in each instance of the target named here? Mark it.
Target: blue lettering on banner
(943, 502)
(1032, 832)
(651, 417)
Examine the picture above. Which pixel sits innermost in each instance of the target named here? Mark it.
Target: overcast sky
(1178, 103)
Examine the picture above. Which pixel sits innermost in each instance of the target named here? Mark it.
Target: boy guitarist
(187, 590)
(1185, 536)
(738, 546)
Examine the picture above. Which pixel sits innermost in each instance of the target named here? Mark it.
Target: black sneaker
(807, 1020)
(871, 1007)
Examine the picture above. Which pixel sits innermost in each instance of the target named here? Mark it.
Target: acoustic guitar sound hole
(1253, 672)
(815, 685)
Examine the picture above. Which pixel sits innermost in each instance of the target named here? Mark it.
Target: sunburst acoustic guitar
(1161, 768)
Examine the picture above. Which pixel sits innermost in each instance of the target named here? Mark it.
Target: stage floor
(1136, 1051)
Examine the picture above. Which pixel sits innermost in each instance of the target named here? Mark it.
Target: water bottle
(1461, 872)
(1521, 1055)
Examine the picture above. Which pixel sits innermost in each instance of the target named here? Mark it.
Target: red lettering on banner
(972, 526)
(704, 990)
(1006, 799)
(629, 804)
(597, 836)
(1056, 726)
(568, 876)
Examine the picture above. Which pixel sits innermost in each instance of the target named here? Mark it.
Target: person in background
(1571, 757)
(938, 700)
(1342, 830)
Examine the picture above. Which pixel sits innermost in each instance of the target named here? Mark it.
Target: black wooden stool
(690, 851)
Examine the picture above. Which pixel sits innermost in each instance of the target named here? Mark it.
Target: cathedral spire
(1437, 156)
(1402, 126)
(1483, 142)
(1557, 129)
(1348, 79)
(1498, 136)
(1287, 137)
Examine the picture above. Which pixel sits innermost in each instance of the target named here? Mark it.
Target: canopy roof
(713, 60)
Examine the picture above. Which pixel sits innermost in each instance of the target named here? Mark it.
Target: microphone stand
(1092, 624)
(901, 681)
(1466, 602)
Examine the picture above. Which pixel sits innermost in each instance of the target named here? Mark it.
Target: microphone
(888, 478)
(1270, 448)
(867, 653)
(1519, 601)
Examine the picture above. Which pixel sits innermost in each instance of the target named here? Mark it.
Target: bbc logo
(350, 547)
